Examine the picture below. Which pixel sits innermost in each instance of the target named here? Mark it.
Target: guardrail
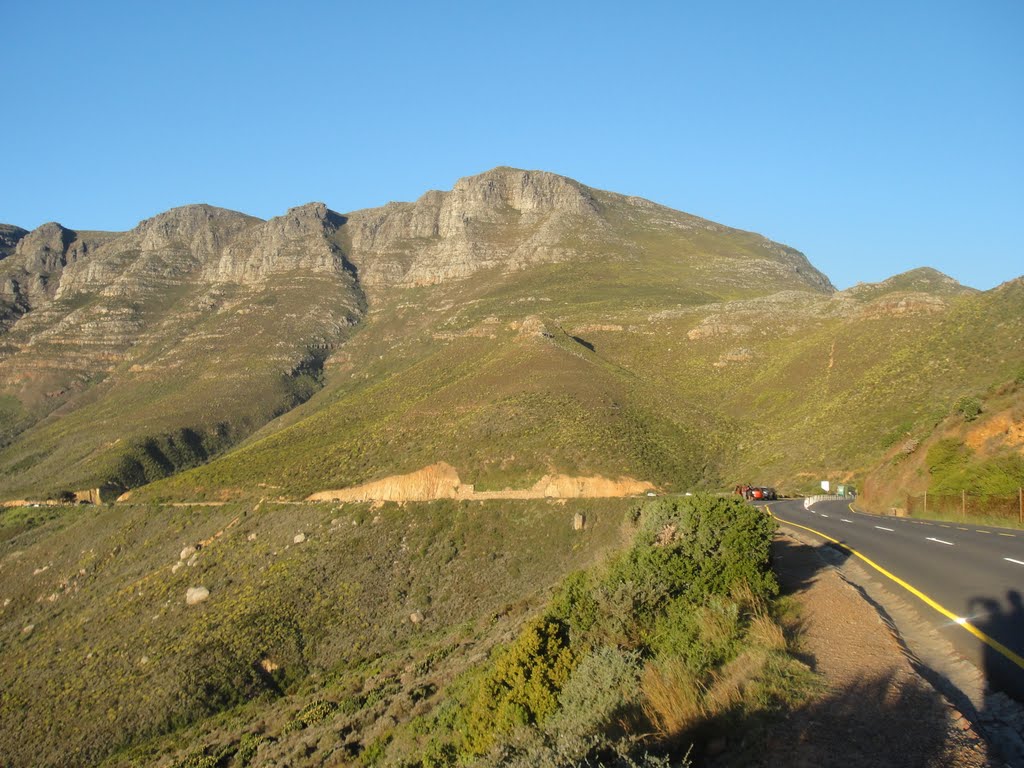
(812, 500)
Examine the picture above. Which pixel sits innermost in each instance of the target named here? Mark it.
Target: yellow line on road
(991, 642)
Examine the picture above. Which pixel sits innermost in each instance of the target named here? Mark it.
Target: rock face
(9, 237)
(299, 241)
(506, 219)
(32, 274)
(441, 481)
(192, 293)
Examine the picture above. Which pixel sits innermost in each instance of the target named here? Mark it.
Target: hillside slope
(521, 324)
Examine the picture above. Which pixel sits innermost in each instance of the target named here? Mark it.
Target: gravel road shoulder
(875, 709)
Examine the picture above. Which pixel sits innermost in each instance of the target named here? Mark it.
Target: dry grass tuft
(673, 697)
(729, 685)
(764, 632)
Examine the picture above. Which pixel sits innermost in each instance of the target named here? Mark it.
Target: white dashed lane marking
(884, 529)
(845, 520)
(1018, 562)
(940, 541)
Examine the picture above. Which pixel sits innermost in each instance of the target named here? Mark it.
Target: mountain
(454, 381)
(520, 325)
(127, 354)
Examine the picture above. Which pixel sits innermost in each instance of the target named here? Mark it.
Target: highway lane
(974, 572)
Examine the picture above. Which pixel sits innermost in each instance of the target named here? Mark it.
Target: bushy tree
(968, 407)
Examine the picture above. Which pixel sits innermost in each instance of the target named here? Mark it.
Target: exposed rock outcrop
(161, 252)
(296, 242)
(896, 305)
(505, 219)
(441, 481)
(31, 276)
(9, 237)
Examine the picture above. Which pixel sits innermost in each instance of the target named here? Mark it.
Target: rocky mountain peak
(309, 214)
(44, 249)
(296, 241)
(10, 235)
(523, 191)
(505, 218)
(202, 229)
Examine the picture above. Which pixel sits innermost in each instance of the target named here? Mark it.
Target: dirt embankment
(441, 481)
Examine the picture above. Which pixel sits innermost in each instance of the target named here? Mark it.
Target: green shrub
(439, 754)
(311, 714)
(576, 605)
(374, 753)
(248, 746)
(200, 758)
(690, 548)
(702, 637)
(521, 687)
(599, 692)
(660, 620)
(968, 407)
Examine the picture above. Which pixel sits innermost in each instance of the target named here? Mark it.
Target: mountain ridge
(123, 355)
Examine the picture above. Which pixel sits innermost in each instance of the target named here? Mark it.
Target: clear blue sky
(873, 136)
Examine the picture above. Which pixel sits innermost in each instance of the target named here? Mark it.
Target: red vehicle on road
(753, 492)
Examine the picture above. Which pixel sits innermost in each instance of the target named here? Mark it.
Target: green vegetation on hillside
(668, 643)
(954, 468)
(969, 462)
(103, 654)
(391, 636)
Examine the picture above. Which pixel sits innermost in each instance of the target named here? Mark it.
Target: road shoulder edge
(933, 658)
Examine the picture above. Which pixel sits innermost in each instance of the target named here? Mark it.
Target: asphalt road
(973, 572)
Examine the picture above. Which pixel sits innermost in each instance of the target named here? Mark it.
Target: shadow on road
(925, 736)
(1003, 621)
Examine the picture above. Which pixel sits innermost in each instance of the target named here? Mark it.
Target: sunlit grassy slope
(786, 389)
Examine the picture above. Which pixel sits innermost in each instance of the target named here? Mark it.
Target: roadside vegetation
(641, 661)
(421, 635)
